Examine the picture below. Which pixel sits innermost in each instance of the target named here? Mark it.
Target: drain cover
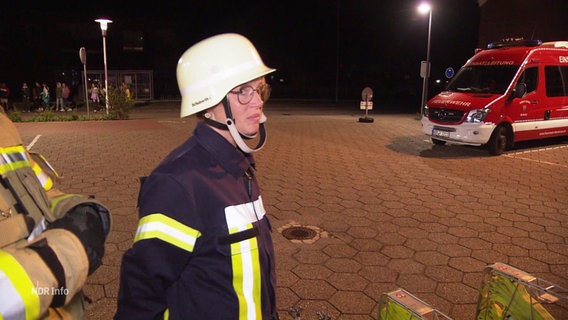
(298, 233)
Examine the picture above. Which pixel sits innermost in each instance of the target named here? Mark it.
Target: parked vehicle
(512, 91)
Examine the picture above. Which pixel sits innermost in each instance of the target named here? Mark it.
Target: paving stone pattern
(391, 210)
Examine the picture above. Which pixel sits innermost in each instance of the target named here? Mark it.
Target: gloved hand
(86, 222)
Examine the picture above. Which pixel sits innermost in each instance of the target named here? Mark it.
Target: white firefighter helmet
(211, 68)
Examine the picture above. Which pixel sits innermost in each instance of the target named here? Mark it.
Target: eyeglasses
(246, 93)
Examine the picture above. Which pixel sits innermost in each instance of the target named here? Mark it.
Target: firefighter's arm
(90, 222)
(45, 273)
(52, 269)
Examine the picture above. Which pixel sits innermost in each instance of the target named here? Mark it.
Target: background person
(26, 95)
(36, 94)
(44, 96)
(95, 93)
(58, 97)
(4, 95)
(66, 92)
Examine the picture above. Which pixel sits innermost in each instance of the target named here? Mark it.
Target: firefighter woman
(203, 246)
(49, 241)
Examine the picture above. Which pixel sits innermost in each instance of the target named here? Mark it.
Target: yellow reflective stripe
(7, 167)
(13, 158)
(162, 227)
(19, 280)
(47, 164)
(43, 178)
(246, 275)
(55, 201)
(11, 166)
(166, 314)
(14, 150)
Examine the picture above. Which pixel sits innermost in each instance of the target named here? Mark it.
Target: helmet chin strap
(235, 133)
(239, 140)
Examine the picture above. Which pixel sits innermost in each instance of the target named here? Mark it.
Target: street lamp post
(104, 26)
(425, 67)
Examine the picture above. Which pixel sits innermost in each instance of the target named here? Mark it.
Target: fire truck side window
(530, 78)
(556, 81)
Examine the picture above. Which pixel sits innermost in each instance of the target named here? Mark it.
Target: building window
(133, 41)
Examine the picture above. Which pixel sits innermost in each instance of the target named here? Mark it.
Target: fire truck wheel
(438, 142)
(498, 142)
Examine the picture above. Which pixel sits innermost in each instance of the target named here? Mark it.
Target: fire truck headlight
(425, 111)
(477, 115)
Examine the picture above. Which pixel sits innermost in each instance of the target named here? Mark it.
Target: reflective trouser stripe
(246, 276)
(18, 296)
(162, 227)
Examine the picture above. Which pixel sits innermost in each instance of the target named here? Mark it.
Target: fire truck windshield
(483, 79)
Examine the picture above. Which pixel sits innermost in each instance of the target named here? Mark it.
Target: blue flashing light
(514, 42)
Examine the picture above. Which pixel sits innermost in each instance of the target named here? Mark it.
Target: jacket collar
(229, 157)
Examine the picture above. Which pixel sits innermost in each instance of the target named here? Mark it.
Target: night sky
(322, 48)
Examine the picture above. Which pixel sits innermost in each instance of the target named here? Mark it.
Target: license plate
(440, 133)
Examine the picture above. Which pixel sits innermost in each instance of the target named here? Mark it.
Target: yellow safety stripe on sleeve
(45, 180)
(246, 275)
(16, 290)
(47, 164)
(13, 158)
(162, 227)
(55, 201)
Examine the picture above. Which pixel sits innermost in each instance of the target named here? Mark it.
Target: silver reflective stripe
(11, 307)
(243, 214)
(245, 258)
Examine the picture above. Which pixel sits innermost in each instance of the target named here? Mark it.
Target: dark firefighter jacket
(203, 248)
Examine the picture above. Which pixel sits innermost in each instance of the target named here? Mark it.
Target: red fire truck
(512, 91)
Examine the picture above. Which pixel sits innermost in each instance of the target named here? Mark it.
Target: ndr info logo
(49, 291)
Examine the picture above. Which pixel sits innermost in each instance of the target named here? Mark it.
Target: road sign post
(366, 104)
(83, 57)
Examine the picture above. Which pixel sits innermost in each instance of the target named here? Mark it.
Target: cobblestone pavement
(385, 207)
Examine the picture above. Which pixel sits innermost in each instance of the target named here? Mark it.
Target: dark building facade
(545, 20)
(42, 44)
(326, 49)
